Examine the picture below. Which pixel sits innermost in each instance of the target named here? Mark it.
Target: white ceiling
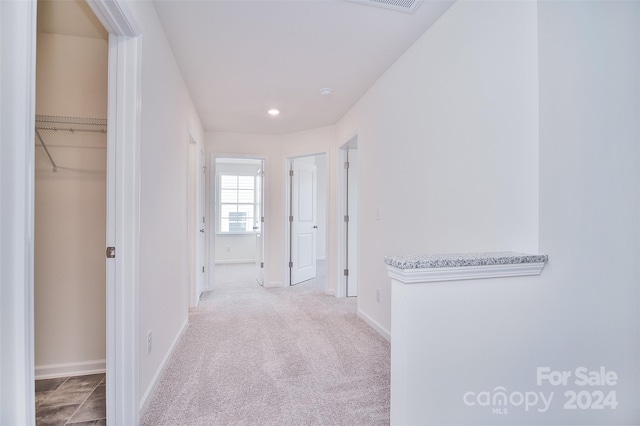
(240, 58)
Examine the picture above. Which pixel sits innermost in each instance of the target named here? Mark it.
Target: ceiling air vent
(407, 6)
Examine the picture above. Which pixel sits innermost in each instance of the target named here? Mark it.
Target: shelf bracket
(53, 163)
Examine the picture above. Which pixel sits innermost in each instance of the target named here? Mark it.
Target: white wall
(589, 61)
(70, 210)
(448, 144)
(480, 336)
(167, 114)
(235, 248)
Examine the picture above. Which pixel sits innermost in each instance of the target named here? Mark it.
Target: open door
(259, 225)
(201, 221)
(352, 189)
(302, 220)
(348, 206)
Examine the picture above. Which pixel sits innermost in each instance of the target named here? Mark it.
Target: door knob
(202, 230)
(315, 226)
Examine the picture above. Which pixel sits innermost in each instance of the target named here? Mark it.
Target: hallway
(285, 356)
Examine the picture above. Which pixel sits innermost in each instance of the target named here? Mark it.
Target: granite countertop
(463, 259)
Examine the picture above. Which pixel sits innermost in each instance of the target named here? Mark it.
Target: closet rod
(83, 121)
(55, 167)
(71, 129)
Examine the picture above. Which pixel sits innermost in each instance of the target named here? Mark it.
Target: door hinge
(346, 165)
(290, 264)
(262, 219)
(111, 252)
(346, 218)
(291, 173)
(203, 269)
(202, 219)
(262, 264)
(290, 218)
(346, 272)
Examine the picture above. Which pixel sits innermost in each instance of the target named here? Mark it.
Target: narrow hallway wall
(590, 202)
(448, 145)
(167, 117)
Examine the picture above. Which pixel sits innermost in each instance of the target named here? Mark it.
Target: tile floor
(78, 401)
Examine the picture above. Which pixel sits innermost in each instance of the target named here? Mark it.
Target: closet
(70, 199)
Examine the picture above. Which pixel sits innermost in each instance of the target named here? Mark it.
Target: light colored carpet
(289, 356)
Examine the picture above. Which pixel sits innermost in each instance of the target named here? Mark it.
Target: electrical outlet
(378, 295)
(149, 342)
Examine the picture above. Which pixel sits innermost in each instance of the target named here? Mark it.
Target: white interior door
(201, 222)
(259, 225)
(352, 224)
(303, 222)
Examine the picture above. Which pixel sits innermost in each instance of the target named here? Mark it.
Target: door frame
(17, 165)
(341, 288)
(196, 152)
(17, 161)
(261, 214)
(287, 203)
(213, 218)
(123, 189)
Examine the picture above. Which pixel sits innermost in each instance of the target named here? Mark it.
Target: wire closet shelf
(61, 131)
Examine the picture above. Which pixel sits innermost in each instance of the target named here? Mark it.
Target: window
(237, 201)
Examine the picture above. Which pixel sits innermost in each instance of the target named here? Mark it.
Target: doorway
(17, 98)
(238, 186)
(349, 193)
(307, 217)
(70, 211)
(197, 221)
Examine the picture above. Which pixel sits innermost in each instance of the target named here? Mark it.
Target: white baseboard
(274, 284)
(373, 324)
(320, 259)
(331, 292)
(234, 261)
(154, 381)
(70, 369)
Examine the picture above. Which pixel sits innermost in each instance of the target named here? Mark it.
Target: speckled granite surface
(463, 259)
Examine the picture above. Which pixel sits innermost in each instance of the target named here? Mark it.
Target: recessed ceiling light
(326, 91)
(273, 112)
